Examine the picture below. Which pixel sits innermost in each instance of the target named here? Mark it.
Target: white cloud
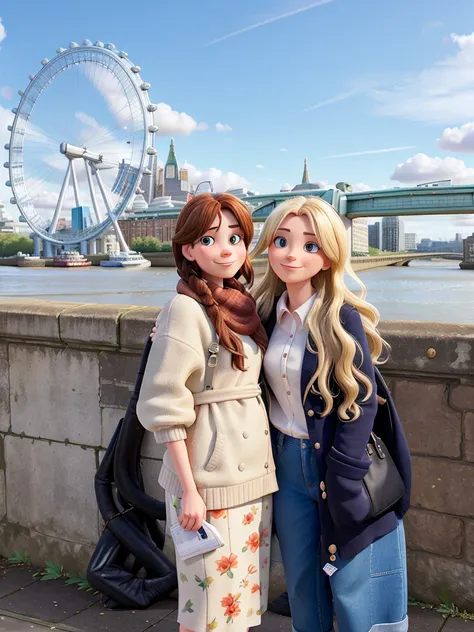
(335, 99)
(259, 166)
(223, 127)
(172, 123)
(370, 151)
(422, 168)
(7, 92)
(276, 18)
(442, 93)
(283, 149)
(221, 180)
(3, 32)
(360, 187)
(459, 139)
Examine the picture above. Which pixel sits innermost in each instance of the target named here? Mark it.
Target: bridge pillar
(348, 227)
(92, 247)
(468, 254)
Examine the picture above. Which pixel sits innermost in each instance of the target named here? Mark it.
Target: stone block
(434, 533)
(151, 471)
(3, 494)
(430, 577)
(92, 324)
(462, 397)
(32, 320)
(74, 556)
(50, 488)
(443, 486)
(431, 426)
(4, 389)
(55, 393)
(136, 326)
(151, 449)
(470, 541)
(110, 419)
(117, 395)
(118, 367)
(469, 436)
(410, 341)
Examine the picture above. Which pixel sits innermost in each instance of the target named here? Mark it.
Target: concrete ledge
(136, 326)
(35, 320)
(92, 324)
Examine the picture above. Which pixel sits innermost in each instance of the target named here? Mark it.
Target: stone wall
(66, 371)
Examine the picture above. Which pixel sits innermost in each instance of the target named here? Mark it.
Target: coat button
(317, 446)
(322, 486)
(332, 558)
(266, 432)
(310, 413)
(324, 495)
(266, 466)
(242, 467)
(332, 549)
(245, 435)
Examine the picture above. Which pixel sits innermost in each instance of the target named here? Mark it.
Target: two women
(323, 406)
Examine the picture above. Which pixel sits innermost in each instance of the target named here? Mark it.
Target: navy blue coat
(341, 452)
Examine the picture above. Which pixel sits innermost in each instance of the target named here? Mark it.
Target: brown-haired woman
(219, 464)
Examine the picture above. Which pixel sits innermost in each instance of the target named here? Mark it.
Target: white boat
(70, 259)
(126, 260)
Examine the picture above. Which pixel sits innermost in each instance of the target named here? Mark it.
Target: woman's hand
(193, 511)
(153, 332)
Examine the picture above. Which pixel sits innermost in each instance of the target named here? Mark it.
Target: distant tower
(171, 167)
(173, 181)
(305, 179)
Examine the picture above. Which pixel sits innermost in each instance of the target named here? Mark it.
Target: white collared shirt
(282, 364)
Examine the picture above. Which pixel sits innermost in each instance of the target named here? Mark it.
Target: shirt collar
(299, 315)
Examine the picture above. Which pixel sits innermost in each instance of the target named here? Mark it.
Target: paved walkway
(29, 605)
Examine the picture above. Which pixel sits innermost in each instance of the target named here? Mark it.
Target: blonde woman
(325, 401)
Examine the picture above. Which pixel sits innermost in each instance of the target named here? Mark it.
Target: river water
(424, 291)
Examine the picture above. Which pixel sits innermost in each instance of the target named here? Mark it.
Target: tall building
(7, 225)
(173, 181)
(305, 179)
(360, 236)
(80, 218)
(410, 241)
(458, 237)
(393, 234)
(375, 236)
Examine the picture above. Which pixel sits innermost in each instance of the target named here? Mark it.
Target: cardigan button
(245, 435)
(322, 486)
(332, 558)
(332, 548)
(242, 467)
(266, 432)
(266, 466)
(310, 413)
(324, 495)
(317, 446)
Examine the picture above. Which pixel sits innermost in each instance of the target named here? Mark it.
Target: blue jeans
(367, 593)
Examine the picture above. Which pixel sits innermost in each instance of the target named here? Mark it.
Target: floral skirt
(227, 589)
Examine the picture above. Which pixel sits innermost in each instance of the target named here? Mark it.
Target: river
(425, 291)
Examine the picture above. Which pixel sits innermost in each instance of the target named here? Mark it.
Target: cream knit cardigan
(226, 428)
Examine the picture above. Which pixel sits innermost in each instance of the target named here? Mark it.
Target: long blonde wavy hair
(335, 346)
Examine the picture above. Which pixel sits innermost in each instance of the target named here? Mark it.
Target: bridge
(386, 203)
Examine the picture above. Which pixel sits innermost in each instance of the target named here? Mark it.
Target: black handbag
(383, 482)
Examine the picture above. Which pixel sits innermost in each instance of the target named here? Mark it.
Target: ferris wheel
(80, 139)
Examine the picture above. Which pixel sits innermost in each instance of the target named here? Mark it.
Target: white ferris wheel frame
(65, 58)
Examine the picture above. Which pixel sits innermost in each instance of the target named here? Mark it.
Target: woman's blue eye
(235, 239)
(311, 247)
(207, 241)
(280, 242)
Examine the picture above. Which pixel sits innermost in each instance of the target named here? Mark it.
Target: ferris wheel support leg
(120, 237)
(74, 184)
(59, 205)
(92, 192)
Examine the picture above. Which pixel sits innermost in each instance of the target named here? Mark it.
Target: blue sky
(291, 78)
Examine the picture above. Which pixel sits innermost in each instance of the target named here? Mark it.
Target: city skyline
(370, 120)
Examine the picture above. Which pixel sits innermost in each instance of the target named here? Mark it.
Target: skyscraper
(173, 181)
(305, 178)
(410, 241)
(375, 236)
(393, 234)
